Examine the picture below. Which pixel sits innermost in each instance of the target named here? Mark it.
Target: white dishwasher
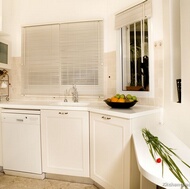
(21, 140)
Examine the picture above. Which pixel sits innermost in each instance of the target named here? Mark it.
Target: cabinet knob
(107, 118)
(63, 113)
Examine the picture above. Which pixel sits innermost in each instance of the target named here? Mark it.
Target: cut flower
(157, 148)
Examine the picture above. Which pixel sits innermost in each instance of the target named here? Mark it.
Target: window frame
(119, 70)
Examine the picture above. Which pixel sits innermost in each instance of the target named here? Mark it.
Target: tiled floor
(13, 182)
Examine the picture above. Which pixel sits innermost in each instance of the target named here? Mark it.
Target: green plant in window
(136, 73)
(135, 51)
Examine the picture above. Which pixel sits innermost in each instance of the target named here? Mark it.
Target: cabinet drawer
(61, 113)
(110, 119)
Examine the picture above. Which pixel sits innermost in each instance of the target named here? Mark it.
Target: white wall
(47, 11)
(176, 115)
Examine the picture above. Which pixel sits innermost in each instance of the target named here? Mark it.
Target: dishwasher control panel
(20, 118)
(21, 111)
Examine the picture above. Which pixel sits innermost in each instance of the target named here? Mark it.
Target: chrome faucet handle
(74, 93)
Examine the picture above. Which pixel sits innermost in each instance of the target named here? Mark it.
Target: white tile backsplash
(109, 81)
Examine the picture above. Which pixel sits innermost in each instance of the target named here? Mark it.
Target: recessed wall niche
(175, 38)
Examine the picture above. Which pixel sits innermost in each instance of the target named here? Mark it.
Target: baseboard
(23, 174)
(83, 180)
(97, 185)
(1, 169)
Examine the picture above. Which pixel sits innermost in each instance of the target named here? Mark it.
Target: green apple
(134, 97)
(129, 96)
(122, 96)
(117, 96)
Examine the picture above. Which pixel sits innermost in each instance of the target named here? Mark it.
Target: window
(135, 56)
(133, 28)
(59, 55)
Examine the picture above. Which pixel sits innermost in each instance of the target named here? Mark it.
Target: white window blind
(41, 59)
(134, 14)
(81, 47)
(57, 56)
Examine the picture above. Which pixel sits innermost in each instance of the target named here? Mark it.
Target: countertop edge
(136, 111)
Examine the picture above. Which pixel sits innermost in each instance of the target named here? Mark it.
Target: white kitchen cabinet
(65, 142)
(110, 151)
(1, 147)
(112, 156)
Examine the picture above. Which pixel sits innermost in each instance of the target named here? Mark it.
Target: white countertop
(152, 170)
(135, 111)
(97, 107)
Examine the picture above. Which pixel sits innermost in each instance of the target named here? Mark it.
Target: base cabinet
(65, 142)
(110, 151)
(1, 145)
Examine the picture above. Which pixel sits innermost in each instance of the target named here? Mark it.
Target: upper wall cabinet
(5, 45)
(5, 50)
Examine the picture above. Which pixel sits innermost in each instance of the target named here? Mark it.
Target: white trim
(142, 94)
(24, 174)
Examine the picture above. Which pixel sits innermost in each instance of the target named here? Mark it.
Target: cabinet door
(65, 142)
(1, 147)
(110, 151)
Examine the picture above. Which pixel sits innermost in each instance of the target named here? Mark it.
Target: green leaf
(157, 147)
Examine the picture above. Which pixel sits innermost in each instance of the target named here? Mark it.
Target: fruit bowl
(120, 104)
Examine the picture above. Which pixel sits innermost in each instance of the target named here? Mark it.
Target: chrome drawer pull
(63, 113)
(20, 120)
(104, 117)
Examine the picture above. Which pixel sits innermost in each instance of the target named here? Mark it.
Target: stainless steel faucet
(66, 93)
(74, 93)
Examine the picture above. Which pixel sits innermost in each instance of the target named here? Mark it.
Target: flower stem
(156, 147)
